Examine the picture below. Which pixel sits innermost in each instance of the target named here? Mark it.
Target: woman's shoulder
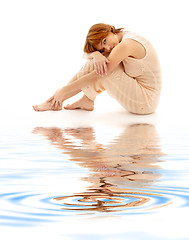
(135, 45)
(135, 36)
(130, 35)
(130, 39)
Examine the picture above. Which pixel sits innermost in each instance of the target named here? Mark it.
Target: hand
(57, 99)
(100, 63)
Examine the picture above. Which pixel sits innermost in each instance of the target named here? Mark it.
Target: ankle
(87, 99)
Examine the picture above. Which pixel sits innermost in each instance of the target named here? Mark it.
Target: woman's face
(108, 43)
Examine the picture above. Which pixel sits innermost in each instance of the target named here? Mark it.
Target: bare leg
(46, 106)
(71, 89)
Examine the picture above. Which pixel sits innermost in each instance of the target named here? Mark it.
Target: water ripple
(24, 208)
(129, 201)
(125, 177)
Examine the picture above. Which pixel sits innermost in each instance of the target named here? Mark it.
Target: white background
(41, 48)
(41, 45)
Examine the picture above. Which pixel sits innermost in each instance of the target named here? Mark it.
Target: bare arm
(126, 48)
(117, 55)
(75, 87)
(72, 88)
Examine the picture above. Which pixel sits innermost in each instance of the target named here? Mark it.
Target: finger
(98, 69)
(53, 103)
(104, 69)
(101, 70)
(60, 104)
(56, 104)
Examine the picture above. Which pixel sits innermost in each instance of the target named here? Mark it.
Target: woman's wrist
(93, 54)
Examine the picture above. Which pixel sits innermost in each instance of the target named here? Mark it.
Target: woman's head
(99, 32)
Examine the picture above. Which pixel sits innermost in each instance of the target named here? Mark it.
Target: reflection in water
(119, 173)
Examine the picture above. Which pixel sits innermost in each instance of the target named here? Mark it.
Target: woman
(123, 63)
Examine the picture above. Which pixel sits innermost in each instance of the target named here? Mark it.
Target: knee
(88, 66)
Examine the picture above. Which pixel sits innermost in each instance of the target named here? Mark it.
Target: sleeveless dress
(135, 84)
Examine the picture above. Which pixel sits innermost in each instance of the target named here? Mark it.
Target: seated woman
(120, 62)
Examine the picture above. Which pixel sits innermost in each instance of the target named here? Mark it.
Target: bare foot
(46, 106)
(84, 103)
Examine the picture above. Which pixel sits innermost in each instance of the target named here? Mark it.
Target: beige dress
(136, 85)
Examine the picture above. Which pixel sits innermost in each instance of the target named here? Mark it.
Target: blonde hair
(96, 34)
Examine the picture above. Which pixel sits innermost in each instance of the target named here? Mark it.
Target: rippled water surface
(70, 178)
